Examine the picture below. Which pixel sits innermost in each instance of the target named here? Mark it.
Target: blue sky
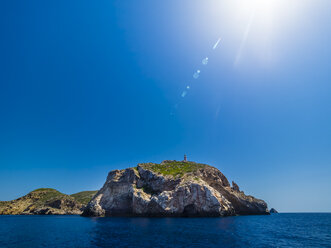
(91, 86)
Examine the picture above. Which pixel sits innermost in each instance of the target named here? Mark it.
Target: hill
(171, 188)
(84, 197)
(46, 201)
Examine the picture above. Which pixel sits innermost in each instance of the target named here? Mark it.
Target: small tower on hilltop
(185, 158)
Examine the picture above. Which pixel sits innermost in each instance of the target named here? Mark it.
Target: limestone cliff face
(46, 202)
(171, 189)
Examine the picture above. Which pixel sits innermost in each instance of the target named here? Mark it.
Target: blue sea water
(277, 230)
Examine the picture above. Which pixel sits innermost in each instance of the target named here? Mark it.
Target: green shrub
(173, 168)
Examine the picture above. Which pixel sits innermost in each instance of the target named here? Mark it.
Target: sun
(258, 22)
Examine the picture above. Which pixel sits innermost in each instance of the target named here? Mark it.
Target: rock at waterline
(172, 188)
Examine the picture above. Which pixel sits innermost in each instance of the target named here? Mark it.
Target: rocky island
(172, 188)
(46, 201)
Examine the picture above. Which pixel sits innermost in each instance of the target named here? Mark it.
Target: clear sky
(91, 86)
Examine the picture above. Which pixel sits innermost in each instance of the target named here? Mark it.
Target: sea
(275, 230)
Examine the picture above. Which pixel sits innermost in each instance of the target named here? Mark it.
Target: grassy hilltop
(173, 168)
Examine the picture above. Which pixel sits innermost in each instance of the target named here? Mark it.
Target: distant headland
(169, 189)
(46, 201)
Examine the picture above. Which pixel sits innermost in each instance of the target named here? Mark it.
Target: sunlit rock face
(171, 188)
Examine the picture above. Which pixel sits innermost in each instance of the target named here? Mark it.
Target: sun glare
(258, 6)
(257, 24)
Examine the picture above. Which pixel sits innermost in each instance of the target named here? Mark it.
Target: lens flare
(196, 74)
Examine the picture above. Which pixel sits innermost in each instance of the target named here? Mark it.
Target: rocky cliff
(46, 202)
(171, 188)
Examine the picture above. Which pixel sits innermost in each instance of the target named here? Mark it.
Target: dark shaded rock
(273, 211)
(235, 186)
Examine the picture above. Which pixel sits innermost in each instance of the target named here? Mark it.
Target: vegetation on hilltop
(84, 197)
(173, 168)
(46, 195)
(44, 190)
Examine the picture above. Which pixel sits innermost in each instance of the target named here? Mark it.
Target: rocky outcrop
(46, 202)
(235, 186)
(273, 211)
(171, 189)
